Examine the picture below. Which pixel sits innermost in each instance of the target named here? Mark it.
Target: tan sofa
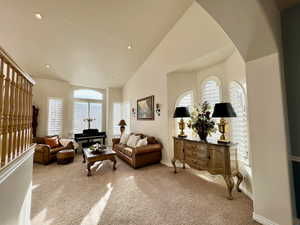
(44, 154)
(139, 156)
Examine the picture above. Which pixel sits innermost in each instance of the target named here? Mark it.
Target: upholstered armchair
(44, 154)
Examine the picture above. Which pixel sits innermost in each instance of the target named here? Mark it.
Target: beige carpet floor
(154, 195)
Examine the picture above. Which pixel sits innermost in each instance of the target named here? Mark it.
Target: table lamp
(181, 112)
(223, 110)
(122, 125)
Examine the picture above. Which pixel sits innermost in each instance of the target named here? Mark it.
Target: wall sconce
(157, 110)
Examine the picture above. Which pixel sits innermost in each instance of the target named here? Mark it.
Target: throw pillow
(142, 142)
(52, 142)
(132, 141)
(124, 139)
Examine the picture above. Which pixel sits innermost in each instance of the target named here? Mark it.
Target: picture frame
(145, 108)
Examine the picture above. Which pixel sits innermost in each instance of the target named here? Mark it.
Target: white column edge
(6, 172)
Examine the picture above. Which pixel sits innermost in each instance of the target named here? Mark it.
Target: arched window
(87, 105)
(87, 94)
(185, 100)
(239, 125)
(211, 92)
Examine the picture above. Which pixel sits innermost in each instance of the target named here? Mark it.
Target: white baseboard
(246, 192)
(263, 220)
(168, 164)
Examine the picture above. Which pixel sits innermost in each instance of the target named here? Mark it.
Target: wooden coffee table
(91, 158)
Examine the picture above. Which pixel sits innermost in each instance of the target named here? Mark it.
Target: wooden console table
(217, 159)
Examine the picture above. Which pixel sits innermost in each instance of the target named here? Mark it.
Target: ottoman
(65, 156)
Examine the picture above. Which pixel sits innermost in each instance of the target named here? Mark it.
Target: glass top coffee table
(90, 158)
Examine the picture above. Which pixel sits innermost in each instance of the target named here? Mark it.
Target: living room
(131, 75)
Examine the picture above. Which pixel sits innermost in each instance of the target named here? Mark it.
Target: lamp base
(182, 136)
(224, 141)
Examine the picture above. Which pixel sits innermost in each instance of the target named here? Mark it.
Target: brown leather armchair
(140, 156)
(44, 154)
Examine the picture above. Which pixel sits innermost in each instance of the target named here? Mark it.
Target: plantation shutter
(55, 116)
(126, 116)
(211, 94)
(186, 100)
(117, 114)
(80, 113)
(239, 125)
(96, 113)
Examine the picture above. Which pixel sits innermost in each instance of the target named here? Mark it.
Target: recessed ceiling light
(47, 66)
(129, 47)
(38, 16)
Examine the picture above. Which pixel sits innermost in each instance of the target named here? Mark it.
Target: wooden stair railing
(15, 110)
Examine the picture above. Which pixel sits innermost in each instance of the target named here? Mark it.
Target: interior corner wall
(46, 88)
(268, 138)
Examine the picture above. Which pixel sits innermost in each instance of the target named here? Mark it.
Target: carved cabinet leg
(89, 165)
(174, 165)
(240, 178)
(230, 184)
(115, 163)
(83, 158)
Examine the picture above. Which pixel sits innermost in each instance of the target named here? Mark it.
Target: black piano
(89, 137)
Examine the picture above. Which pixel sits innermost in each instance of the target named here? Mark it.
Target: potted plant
(201, 121)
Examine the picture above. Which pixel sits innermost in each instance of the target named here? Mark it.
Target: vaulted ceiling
(85, 42)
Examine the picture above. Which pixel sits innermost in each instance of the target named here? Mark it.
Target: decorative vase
(203, 135)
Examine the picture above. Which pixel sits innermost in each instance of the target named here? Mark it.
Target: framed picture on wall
(145, 108)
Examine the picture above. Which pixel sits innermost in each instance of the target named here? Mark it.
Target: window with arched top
(87, 105)
(239, 124)
(211, 92)
(185, 100)
(87, 94)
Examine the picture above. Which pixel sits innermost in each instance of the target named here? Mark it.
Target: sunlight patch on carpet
(94, 215)
(41, 218)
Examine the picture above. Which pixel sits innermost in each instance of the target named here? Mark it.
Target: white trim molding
(6, 172)
(263, 220)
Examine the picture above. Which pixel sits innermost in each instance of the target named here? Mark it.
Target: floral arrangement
(201, 121)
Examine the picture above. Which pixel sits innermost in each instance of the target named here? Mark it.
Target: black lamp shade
(223, 110)
(181, 112)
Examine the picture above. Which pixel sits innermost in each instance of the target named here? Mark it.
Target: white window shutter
(55, 116)
(211, 94)
(117, 116)
(96, 113)
(239, 125)
(80, 113)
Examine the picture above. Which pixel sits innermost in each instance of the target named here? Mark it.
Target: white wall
(44, 89)
(15, 191)
(254, 27)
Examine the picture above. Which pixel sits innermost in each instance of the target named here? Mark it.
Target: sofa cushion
(152, 140)
(142, 142)
(52, 142)
(132, 141)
